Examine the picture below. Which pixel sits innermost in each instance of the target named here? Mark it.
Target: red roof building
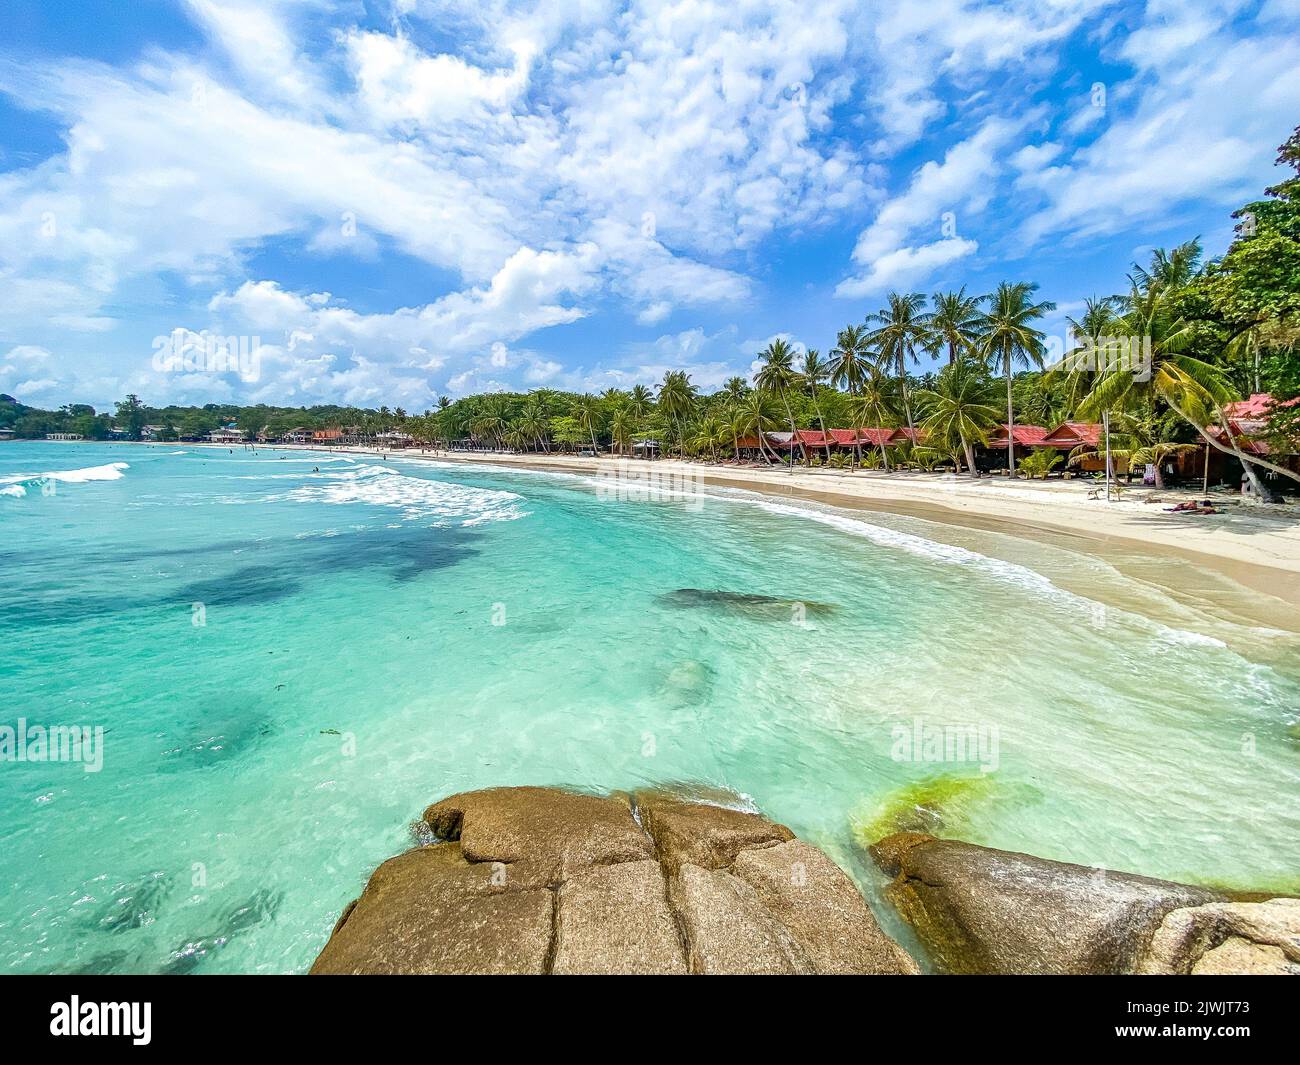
(1025, 436)
(1069, 435)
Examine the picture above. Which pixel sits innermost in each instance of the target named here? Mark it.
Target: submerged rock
(934, 805)
(537, 880)
(980, 910)
(772, 606)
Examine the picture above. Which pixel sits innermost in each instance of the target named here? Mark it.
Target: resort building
(226, 435)
(6, 434)
(64, 436)
(326, 436)
(393, 439)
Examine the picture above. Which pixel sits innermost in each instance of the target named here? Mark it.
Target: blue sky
(401, 198)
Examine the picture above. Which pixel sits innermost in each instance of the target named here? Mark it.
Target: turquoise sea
(292, 653)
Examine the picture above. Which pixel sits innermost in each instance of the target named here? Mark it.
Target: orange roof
(1072, 434)
(1025, 436)
(904, 433)
(875, 437)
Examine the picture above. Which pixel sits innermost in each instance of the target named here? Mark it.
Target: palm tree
(778, 376)
(959, 411)
(873, 408)
(640, 400)
(621, 427)
(735, 389)
(955, 322)
(533, 421)
(737, 421)
(1196, 390)
(676, 398)
(586, 410)
(755, 414)
(1009, 338)
(710, 433)
(814, 372)
(1169, 270)
(849, 358)
(902, 329)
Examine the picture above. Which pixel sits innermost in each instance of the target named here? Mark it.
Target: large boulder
(533, 880)
(1251, 938)
(702, 834)
(980, 910)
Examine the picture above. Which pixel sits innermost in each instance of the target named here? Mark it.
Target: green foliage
(1040, 462)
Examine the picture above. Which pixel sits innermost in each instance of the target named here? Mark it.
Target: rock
(539, 880)
(701, 833)
(1244, 938)
(980, 910)
(728, 930)
(558, 831)
(616, 919)
(429, 911)
(822, 909)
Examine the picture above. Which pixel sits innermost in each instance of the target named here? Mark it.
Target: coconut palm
(586, 411)
(640, 400)
(622, 427)
(874, 408)
(533, 421)
(778, 376)
(735, 389)
(757, 417)
(902, 328)
(959, 411)
(1169, 270)
(676, 398)
(1010, 339)
(814, 371)
(849, 357)
(955, 322)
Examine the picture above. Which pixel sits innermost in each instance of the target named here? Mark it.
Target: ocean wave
(17, 486)
(415, 497)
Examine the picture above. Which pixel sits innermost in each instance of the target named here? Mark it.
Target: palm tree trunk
(1011, 418)
(969, 448)
(907, 403)
(826, 443)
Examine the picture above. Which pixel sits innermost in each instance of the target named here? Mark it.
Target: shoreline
(1055, 513)
(1240, 567)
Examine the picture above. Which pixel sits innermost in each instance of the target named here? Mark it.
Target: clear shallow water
(361, 600)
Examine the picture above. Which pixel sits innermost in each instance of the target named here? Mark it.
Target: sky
(380, 202)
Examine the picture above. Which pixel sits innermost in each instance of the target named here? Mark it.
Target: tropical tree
(755, 415)
(814, 372)
(735, 389)
(587, 413)
(778, 376)
(960, 411)
(874, 408)
(955, 323)
(622, 427)
(677, 397)
(849, 358)
(902, 328)
(640, 400)
(1009, 339)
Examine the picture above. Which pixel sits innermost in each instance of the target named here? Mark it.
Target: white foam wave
(415, 497)
(17, 485)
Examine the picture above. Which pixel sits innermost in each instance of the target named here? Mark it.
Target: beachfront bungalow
(226, 435)
(327, 436)
(1070, 435)
(298, 435)
(1247, 422)
(645, 449)
(7, 434)
(64, 436)
(152, 432)
(391, 438)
